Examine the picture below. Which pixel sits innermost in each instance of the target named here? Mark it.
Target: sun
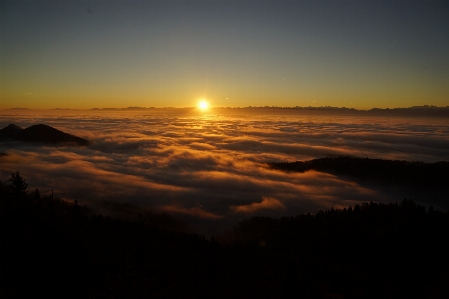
(203, 105)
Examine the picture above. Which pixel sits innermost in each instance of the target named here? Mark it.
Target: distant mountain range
(416, 111)
(39, 133)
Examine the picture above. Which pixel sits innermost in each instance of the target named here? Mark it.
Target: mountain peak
(40, 133)
(9, 131)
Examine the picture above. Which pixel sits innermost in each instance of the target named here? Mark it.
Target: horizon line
(231, 107)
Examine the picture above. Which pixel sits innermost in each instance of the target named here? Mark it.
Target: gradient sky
(361, 54)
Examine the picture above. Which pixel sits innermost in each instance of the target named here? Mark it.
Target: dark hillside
(53, 248)
(369, 251)
(435, 175)
(40, 133)
(9, 131)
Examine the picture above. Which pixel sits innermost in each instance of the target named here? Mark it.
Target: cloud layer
(212, 168)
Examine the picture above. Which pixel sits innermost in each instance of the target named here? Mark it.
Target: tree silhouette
(370, 250)
(37, 195)
(18, 185)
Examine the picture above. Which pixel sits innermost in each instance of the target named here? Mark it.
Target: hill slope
(9, 131)
(435, 175)
(40, 133)
(51, 247)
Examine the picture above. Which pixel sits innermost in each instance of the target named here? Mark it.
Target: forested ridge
(51, 247)
(435, 175)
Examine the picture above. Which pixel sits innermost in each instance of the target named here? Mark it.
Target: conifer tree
(18, 185)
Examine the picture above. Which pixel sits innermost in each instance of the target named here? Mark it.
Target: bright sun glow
(203, 105)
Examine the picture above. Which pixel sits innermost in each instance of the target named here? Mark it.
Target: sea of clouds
(211, 171)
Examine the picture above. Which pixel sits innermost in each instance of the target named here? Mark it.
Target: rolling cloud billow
(212, 169)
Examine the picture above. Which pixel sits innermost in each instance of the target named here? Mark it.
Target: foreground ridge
(373, 250)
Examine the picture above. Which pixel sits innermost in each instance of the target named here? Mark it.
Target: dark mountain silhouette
(435, 175)
(40, 133)
(9, 131)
